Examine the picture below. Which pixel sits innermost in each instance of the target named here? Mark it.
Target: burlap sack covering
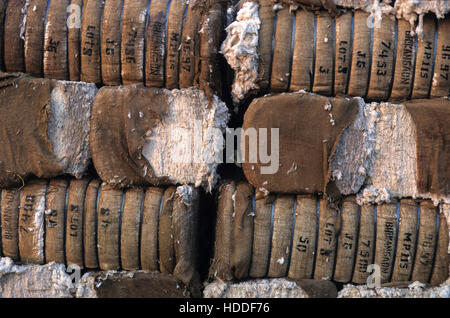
(34, 37)
(185, 220)
(431, 118)
(74, 40)
(304, 243)
(156, 43)
(406, 243)
(2, 27)
(361, 56)
(213, 24)
(190, 44)
(149, 229)
(441, 262)
(261, 235)
(304, 156)
(404, 61)
(386, 234)
(221, 264)
(304, 49)
(347, 241)
(425, 59)
(281, 238)
(10, 202)
(329, 228)
(426, 242)
(441, 79)
(31, 223)
(343, 55)
(111, 38)
(166, 233)
(130, 231)
(74, 222)
(383, 51)
(104, 141)
(242, 237)
(14, 50)
(266, 33)
(132, 50)
(55, 42)
(90, 41)
(174, 31)
(24, 130)
(108, 228)
(324, 65)
(366, 244)
(90, 225)
(55, 218)
(281, 64)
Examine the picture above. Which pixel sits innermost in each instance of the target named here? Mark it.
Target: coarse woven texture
(154, 131)
(44, 127)
(307, 140)
(152, 229)
(396, 151)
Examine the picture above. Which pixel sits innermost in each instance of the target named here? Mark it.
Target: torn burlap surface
(431, 119)
(309, 128)
(117, 152)
(25, 149)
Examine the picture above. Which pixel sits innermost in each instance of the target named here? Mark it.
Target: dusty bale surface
(44, 128)
(160, 137)
(309, 128)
